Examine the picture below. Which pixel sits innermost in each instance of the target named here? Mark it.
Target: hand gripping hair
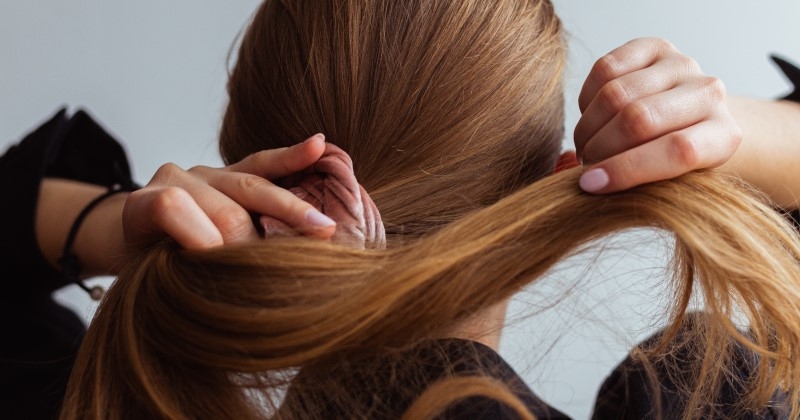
(452, 113)
(331, 186)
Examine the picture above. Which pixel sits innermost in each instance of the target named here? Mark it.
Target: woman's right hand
(199, 208)
(207, 207)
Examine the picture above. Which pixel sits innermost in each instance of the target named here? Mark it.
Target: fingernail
(316, 137)
(594, 180)
(319, 220)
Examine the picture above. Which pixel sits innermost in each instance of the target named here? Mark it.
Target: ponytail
(186, 333)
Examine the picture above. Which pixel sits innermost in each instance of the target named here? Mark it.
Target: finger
(666, 157)
(230, 218)
(634, 55)
(615, 95)
(261, 196)
(151, 213)
(655, 116)
(277, 163)
(274, 227)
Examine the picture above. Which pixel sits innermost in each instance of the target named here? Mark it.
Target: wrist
(99, 245)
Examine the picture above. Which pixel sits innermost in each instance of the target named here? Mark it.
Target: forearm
(99, 244)
(769, 154)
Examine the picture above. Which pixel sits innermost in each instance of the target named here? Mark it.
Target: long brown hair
(445, 107)
(450, 111)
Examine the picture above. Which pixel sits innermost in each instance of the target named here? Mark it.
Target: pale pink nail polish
(316, 137)
(594, 180)
(319, 220)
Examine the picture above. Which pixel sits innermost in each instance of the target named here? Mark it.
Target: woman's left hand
(649, 114)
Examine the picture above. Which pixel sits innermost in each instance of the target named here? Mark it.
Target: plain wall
(154, 73)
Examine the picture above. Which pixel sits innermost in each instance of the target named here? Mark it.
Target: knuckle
(663, 45)
(624, 171)
(638, 121)
(684, 150)
(735, 136)
(136, 196)
(606, 68)
(199, 169)
(592, 152)
(614, 96)
(133, 202)
(166, 173)
(233, 221)
(584, 151)
(715, 88)
(689, 65)
(168, 201)
(248, 184)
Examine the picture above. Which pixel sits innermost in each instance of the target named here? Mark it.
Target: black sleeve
(74, 148)
(40, 337)
(792, 73)
(385, 386)
(628, 393)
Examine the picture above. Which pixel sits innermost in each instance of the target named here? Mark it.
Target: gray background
(154, 73)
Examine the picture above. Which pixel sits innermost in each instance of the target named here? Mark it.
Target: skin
(648, 114)
(199, 208)
(767, 157)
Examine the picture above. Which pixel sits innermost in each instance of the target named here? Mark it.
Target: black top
(793, 74)
(41, 337)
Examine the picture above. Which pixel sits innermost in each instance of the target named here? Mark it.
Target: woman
(420, 186)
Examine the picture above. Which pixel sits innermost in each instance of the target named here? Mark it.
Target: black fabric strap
(70, 266)
(792, 73)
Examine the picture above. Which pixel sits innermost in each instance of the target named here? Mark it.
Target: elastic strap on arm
(70, 266)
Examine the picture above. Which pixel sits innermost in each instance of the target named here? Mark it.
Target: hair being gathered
(452, 112)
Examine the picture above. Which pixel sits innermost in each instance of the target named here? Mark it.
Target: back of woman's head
(444, 106)
(450, 110)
